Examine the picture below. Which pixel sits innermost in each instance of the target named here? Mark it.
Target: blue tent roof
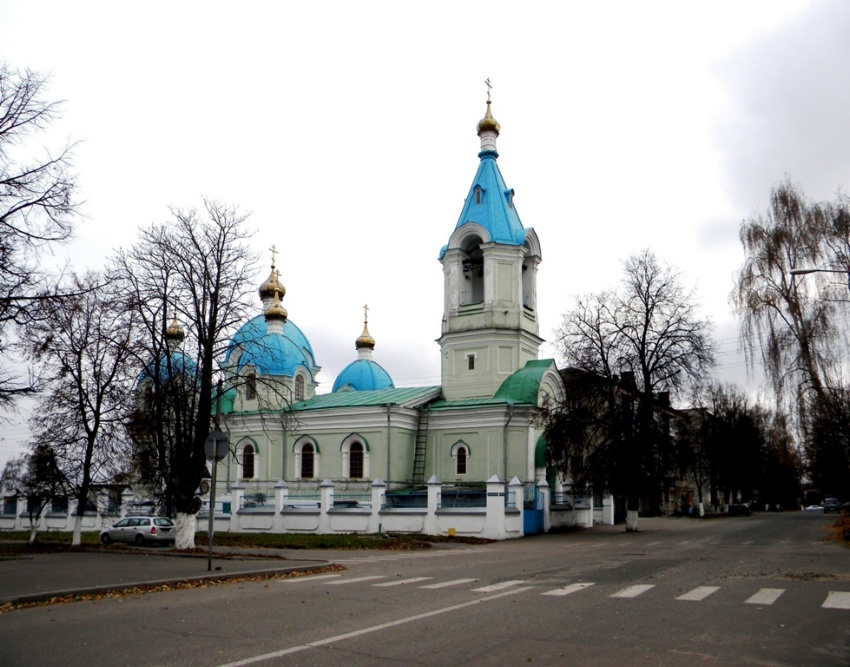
(495, 212)
(363, 375)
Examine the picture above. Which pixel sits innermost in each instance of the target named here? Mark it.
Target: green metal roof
(358, 399)
(522, 386)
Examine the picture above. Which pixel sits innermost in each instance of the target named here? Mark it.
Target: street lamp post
(803, 272)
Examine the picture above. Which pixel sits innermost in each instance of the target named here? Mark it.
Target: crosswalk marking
(498, 587)
(765, 596)
(633, 591)
(296, 580)
(836, 600)
(401, 582)
(356, 580)
(699, 593)
(566, 590)
(446, 584)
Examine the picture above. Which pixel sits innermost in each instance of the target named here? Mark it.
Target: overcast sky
(348, 131)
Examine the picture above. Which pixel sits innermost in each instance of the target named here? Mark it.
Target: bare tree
(196, 270)
(37, 209)
(797, 325)
(648, 327)
(86, 347)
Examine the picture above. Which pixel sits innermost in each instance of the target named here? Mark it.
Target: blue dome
(363, 375)
(271, 353)
(169, 366)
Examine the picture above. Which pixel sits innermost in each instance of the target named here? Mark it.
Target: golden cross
(274, 253)
(489, 87)
(365, 314)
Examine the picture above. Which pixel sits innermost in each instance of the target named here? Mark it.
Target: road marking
(654, 544)
(401, 582)
(699, 593)
(498, 587)
(683, 543)
(446, 584)
(297, 580)
(633, 591)
(765, 596)
(356, 580)
(566, 590)
(747, 543)
(374, 628)
(837, 600)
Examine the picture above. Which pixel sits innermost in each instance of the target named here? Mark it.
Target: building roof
(363, 375)
(270, 353)
(406, 397)
(495, 212)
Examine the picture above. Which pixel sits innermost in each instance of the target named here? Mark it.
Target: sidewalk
(36, 577)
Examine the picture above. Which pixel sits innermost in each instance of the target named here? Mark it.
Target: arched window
(248, 462)
(460, 454)
(355, 461)
(308, 460)
(472, 285)
(250, 386)
(299, 388)
(355, 457)
(460, 461)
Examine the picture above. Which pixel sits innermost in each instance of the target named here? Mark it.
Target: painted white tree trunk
(33, 529)
(631, 521)
(185, 531)
(76, 540)
(702, 509)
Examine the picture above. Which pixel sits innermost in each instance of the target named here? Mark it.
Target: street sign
(216, 445)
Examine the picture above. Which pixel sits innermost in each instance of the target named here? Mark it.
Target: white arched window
(299, 387)
(355, 457)
(306, 458)
(247, 457)
(460, 454)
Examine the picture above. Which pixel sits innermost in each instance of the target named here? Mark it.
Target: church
(371, 456)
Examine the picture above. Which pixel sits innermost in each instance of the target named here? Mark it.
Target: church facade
(480, 426)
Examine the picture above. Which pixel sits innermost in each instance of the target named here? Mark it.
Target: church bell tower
(490, 322)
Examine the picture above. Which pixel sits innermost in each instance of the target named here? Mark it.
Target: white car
(140, 530)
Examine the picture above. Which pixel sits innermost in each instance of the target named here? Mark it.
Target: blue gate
(532, 514)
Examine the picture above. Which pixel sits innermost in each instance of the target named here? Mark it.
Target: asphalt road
(762, 590)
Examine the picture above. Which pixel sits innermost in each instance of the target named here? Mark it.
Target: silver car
(140, 530)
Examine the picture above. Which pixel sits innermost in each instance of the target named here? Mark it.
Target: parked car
(813, 508)
(739, 509)
(831, 505)
(140, 530)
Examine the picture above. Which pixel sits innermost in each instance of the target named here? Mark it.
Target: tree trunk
(184, 530)
(77, 540)
(631, 521)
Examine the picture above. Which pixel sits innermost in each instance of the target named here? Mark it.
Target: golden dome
(365, 340)
(272, 286)
(174, 331)
(488, 123)
(276, 311)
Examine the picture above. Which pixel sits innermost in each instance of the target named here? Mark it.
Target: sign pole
(216, 448)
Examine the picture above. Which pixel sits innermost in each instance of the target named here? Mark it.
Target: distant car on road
(831, 505)
(140, 530)
(813, 508)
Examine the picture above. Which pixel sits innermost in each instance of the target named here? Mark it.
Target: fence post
(378, 488)
(281, 493)
(434, 487)
(494, 523)
(238, 489)
(326, 495)
(545, 498)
